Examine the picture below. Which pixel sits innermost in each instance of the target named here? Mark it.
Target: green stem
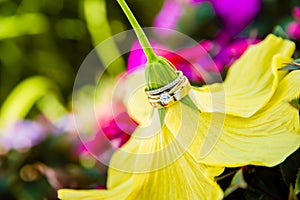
(151, 56)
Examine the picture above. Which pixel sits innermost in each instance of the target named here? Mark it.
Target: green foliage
(33, 175)
(22, 98)
(297, 184)
(99, 28)
(238, 181)
(278, 31)
(266, 183)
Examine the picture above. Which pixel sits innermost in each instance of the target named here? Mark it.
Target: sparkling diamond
(165, 98)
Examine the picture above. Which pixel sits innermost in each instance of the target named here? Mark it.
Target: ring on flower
(168, 86)
(170, 93)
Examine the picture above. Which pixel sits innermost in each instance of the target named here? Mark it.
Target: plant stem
(151, 56)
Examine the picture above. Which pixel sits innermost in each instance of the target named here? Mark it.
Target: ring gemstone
(165, 98)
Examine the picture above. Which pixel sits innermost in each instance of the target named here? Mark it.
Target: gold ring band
(168, 95)
(166, 87)
(172, 90)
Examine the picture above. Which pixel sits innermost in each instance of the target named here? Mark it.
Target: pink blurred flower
(234, 15)
(115, 128)
(137, 58)
(228, 54)
(118, 128)
(169, 15)
(293, 30)
(193, 61)
(296, 13)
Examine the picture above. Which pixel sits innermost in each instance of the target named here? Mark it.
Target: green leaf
(98, 26)
(297, 184)
(292, 65)
(162, 114)
(159, 73)
(289, 168)
(297, 60)
(289, 67)
(292, 195)
(51, 107)
(279, 31)
(19, 25)
(237, 182)
(265, 183)
(23, 97)
(295, 103)
(188, 101)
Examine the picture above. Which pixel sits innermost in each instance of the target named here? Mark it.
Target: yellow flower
(260, 127)
(245, 120)
(140, 170)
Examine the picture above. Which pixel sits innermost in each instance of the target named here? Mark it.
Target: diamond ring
(166, 96)
(166, 87)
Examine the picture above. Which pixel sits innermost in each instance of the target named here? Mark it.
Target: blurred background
(44, 42)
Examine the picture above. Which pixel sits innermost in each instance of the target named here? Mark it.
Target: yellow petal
(187, 124)
(155, 167)
(266, 138)
(135, 97)
(246, 119)
(251, 81)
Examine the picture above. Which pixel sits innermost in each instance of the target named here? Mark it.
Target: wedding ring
(170, 93)
(166, 87)
(183, 90)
